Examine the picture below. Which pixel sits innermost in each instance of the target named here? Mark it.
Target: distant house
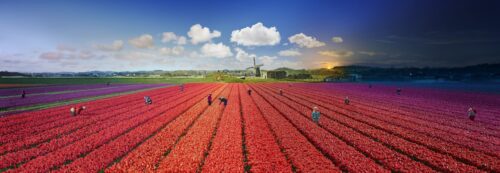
(275, 74)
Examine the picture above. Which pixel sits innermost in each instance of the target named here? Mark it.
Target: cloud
(243, 56)
(52, 56)
(117, 45)
(333, 53)
(66, 48)
(215, 50)
(200, 34)
(135, 56)
(289, 52)
(143, 41)
(181, 40)
(177, 50)
(267, 59)
(67, 56)
(256, 35)
(337, 39)
(305, 41)
(171, 37)
(370, 53)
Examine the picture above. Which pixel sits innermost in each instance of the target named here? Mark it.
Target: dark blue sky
(99, 35)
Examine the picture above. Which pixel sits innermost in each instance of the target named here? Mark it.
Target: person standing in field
(346, 100)
(209, 99)
(23, 94)
(181, 87)
(148, 100)
(80, 109)
(72, 111)
(223, 100)
(249, 91)
(281, 92)
(398, 91)
(315, 115)
(471, 113)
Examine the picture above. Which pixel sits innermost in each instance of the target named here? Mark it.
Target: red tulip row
(188, 153)
(351, 159)
(264, 154)
(53, 144)
(145, 157)
(101, 157)
(487, 145)
(61, 117)
(477, 159)
(68, 153)
(31, 119)
(407, 130)
(79, 122)
(342, 125)
(302, 153)
(226, 152)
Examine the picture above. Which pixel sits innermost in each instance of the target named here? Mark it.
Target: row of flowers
(303, 154)
(264, 154)
(349, 159)
(364, 120)
(187, 155)
(145, 157)
(83, 146)
(101, 157)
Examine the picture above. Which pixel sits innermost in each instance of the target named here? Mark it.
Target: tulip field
(420, 130)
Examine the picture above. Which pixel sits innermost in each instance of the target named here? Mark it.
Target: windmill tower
(256, 68)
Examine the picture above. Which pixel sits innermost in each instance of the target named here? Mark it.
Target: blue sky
(51, 36)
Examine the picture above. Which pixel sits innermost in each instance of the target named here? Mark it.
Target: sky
(112, 35)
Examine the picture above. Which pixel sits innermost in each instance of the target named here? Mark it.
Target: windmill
(256, 68)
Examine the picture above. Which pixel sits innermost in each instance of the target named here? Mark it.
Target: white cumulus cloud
(117, 45)
(337, 39)
(181, 40)
(200, 34)
(143, 41)
(267, 59)
(289, 52)
(218, 50)
(256, 35)
(305, 41)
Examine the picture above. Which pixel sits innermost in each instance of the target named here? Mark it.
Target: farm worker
(148, 100)
(23, 94)
(80, 109)
(471, 113)
(249, 92)
(315, 114)
(181, 87)
(346, 100)
(108, 83)
(398, 91)
(72, 111)
(223, 100)
(209, 98)
(281, 91)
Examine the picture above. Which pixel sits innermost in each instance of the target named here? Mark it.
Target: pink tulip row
(472, 157)
(264, 153)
